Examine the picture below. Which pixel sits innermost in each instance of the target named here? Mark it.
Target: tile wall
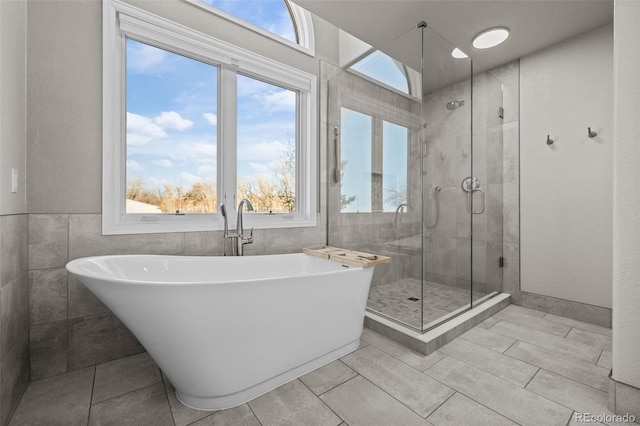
(14, 313)
(69, 327)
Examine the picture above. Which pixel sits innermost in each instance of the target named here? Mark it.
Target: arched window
(385, 69)
(279, 18)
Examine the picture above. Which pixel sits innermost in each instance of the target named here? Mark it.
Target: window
(171, 139)
(281, 20)
(374, 162)
(272, 15)
(266, 146)
(191, 122)
(385, 69)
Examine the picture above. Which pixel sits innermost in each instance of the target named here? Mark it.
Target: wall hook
(591, 133)
(549, 140)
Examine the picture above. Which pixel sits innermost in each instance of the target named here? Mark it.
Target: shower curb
(440, 335)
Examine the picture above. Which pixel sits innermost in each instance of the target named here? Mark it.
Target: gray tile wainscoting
(70, 328)
(14, 312)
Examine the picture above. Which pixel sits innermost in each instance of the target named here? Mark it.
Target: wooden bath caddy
(347, 257)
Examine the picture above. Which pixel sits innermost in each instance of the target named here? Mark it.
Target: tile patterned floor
(392, 299)
(518, 367)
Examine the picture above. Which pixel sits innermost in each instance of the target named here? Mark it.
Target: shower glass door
(448, 149)
(374, 191)
(487, 224)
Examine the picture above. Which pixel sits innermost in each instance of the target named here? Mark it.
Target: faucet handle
(250, 238)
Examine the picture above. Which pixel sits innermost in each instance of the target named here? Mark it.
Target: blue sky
(271, 15)
(172, 120)
(172, 116)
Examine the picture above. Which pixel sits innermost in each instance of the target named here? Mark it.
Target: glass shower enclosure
(414, 160)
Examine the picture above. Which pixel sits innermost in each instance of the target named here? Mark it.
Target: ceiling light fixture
(490, 38)
(458, 54)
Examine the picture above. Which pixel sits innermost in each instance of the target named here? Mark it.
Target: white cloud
(163, 162)
(207, 170)
(173, 120)
(194, 151)
(283, 27)
(189, 179)
(278, 100)
(141, 130)
(262, 151)
(142, 58)
(211, 118)
(134, 166)
(262, 169)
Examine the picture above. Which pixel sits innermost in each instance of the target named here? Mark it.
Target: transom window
(384, 69)
(272, 15)
(281, 20)
(192, 122)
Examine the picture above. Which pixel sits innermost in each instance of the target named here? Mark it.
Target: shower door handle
(471, 185)
(336, 143)
(470, 201)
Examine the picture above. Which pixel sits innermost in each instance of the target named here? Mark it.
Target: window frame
(121, 20)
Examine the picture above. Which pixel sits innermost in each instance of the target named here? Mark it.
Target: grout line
(93, 385)
(403, 348)
(489, 408)
(132, 391)
(599, 356)
(510, 346)
(166, 394)
(482, 368)
(571, 417)
(553, 401)
(333, 387)
(321, 400)
(534, 375)
(253, 412)
(474, 400)
(400, 402)
(443, 402)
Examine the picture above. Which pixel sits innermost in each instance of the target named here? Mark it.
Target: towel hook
(591, 133)
(549, 140)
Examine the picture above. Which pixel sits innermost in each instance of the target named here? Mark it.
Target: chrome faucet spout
(228, 235)
(242, 239)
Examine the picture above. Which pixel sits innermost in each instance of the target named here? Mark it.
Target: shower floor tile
(396, 299)
(381, 384)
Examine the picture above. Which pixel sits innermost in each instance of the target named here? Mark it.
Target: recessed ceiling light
(491, 37)
(458, 54)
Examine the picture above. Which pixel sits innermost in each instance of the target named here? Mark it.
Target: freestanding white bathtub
(225, 330)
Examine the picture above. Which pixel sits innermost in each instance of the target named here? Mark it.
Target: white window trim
(120, 20)
(301, 19)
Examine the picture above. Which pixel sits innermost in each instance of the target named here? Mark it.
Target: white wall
(12, 105)
(566, 197)
(626, 226)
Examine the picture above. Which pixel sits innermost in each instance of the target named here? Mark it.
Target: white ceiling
(390, 25)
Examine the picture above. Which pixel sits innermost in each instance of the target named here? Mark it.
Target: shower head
(454, 104)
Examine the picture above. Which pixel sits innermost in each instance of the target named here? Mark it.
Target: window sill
(161, 224)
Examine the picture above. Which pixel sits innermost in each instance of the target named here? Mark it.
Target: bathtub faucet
(242, 240)
(228, 235)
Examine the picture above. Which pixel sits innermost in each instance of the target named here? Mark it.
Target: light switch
(14, 180)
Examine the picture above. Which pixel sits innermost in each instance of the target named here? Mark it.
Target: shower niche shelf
(347, 257)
